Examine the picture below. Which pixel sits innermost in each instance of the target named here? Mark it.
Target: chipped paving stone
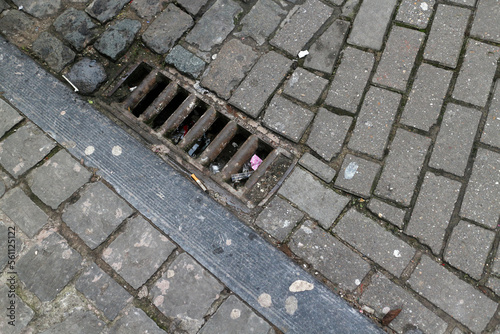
(357, 175)
(185, 61)
(317, 167)
(279, 218)
(305, 86)
(388, 212)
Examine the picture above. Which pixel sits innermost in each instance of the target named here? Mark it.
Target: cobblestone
(485, 24)
(117, 38)
(357, 175)
(14, 22)
(23, 312)
(105, 10)
(53, 51)
(8, 117)
(147, 8)
(135, 321)
(494, 284)
(192, 6)
(317, 167)
(491, 133)
(83, 321)
(305, 86)
(279, 218)
(185, 61)
(415, 13)
(39, 8)
(3, 5)
(87, 75)
(388, 212)
(76, 27)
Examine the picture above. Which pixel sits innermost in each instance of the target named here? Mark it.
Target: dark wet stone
(53, 51)
(87, 75)
(76, 27)
(105, 10)
(115, 41)
(185, 61)
(39, 8)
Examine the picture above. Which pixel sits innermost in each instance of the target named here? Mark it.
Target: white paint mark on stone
(300, 285)
(386, 310)
(351, 170)
(235, 313)
(265, 300)
(303, 53)
(424, 6)
(116, 266)
(89, 150)
(163, 285)
(116, 151)
(158, 300)
(397, 253)
(357, 281)
(286, 223)
(170, 273)
(306, 230)
(291, 305)
(229, 242)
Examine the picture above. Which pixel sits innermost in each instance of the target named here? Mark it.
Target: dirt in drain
(269, 180)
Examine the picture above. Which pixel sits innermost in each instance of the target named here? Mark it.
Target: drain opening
(160, 84)
(168, 109)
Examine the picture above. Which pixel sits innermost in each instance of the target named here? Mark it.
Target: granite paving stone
(185, 61)
(371, 23)
(23, 212)
(329, 256)
(23, 149)
(382, 293)
(494, 284)
(192, 6)
(301, 26)
(185, 292)
(135, 321)
(117, 38)
(349, 8)
(402, 167)
(447, 34)
(105, 10)
(317, 167)
(138, 252)
(426, 97)
(483, 190)
(147, 8)
(287, 118)
(374, 122)
(260, 83)
(235, 317)
(388, 212)
(485, 24)
(3, 5)
(476, 75)
(261, 21)
(39, 8)
(328, 133)
(214, 26)
(76, 27)
(16, 23)
(23, 313)
(279, 218)
(87, 75)
(465, 2)
(325, 50)
(8, 117)
(48, 266)
(57, 179)
(53, 51)
(452, 295)
(374, 241)
(166, 29)
(321, 203)
(305, 86)
(433, 209)
(415, 13)
(454, 142)
(398, 58)
(109, 296)
(491, 132)
(357, 175)
(233, 61)
(78, 322)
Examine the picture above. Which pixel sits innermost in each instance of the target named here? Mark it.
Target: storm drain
(201, 132)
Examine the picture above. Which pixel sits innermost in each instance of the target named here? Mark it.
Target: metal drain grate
(217, 143)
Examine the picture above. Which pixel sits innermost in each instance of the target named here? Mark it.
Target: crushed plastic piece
(240, 176)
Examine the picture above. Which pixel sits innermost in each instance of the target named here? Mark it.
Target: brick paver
(491, 133)
(357, 175)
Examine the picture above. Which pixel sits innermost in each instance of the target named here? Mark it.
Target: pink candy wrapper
(255, 162)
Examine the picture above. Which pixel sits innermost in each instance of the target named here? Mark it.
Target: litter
(202, 186)
(303, 53)
(74, 87)
(240, 176)
(255, 161)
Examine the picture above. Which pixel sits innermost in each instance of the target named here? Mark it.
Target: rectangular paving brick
(192, 6)
(374, 241)
(476, 75)
(321, 203)
(260, 83)
(387, 212)
(398, 58)
(491, 132)
(350, 79)
(8, 117)
(402, 167)
(374, 122)
(432, 213)
(279, 218)
(426, 97)
(485, 24)
(305, 86)
(415, 13)
(301, 26)
(454, 141)
(464, 2)
(447, 34)
(481, 202)
(317, 167)
(452, 295)
(357, 175)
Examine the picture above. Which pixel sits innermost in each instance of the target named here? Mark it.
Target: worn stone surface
(305, 86)
(349, 8)
(53, 51)
(317, 167)
(185, 61)
(491, 132)
(23, 149)
(39, 8)
(117, 38)
(261, 21)
(454, 296)
(105, 10)
(166, 29)
(135, 321)
(433, 210)
(328, 133)
(494, 284)
(485, 24)
(14, 22)
(233, 61)
(374, 122)
(214, 26)
(138, 252)
(76, 27)
(321, 203)
(3, 5)
(279, 218)
(388, 212)
(402, 167)
(23, 313)
(78, 322)
(8, 117)
(415, 13)
(374, 241)
(192, 6)
(57, 179)
(454, 142)
(147, 8)
(357, 175)
(87, 75)
(329, 256)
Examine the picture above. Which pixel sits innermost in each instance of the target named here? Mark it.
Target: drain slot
(169, 108)
(151, 96)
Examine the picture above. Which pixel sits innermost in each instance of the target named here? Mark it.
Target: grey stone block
(134, 321)
(454, 141)
(78, 322)
(147, 9)
(14, 22)
(371, 239)
(329, 256)
(349, 8)
(105, 10)
(447, 34)
(192, 6)
(485, 24)
(57, 179)
(3, 5)
(23, 212)
(138, 252)
(426, 97)
(433, 209)
(39, 8)
(87, 75)
(494, 284)
(476, 75)
(388, 212)
(357, 175)
(166, 29)
(321, 203)
(287, 118)
(214, 26)
(185, 292)
(382, 293)
(491, 132)
(305, 86)
(233, 61)
(317, 167)
(415, 13)
(117, 38)
(324, 52)
(260, 83)
(371, 23)
(96, 214)
(301, 26)
(185, 61)
(374, 122)
(452, 295)
(483, 190)
(402, 167)
(328, 133)
(76, 27)
(23, 313)
(24, 149)
(8, 117)
(53, 51)
(279, 218)
(48, 266)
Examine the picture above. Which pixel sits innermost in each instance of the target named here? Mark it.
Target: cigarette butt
(202, 186)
